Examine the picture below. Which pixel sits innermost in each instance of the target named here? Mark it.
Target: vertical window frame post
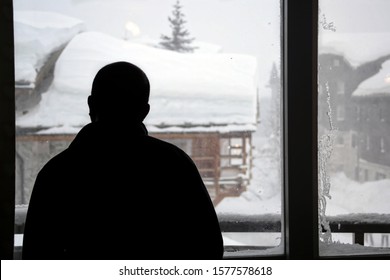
(300, 65)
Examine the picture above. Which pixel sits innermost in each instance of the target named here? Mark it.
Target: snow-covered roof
(357, 48)
(377, 84)
(200, 91)
(37, 35)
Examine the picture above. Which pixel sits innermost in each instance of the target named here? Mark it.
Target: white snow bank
(378, 84)
(357, 48)
(37, 35)
(248, 204)
(350, 197)
(186, 89)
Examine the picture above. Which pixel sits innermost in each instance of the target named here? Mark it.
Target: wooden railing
(357, 224)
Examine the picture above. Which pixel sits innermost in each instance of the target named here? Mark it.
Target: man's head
(120, 92)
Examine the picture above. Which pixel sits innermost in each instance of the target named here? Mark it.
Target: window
(354, 141)
(381, 115)
(340, 87)
(340, 113)
(233, 151)
(358, 188)
(220, 104)
(368, 142)
(382, 145)
(300, 199)
(358, 113)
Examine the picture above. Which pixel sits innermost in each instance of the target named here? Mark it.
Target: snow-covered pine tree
(179, 40)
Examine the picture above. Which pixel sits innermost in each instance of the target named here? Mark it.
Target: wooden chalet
(223, 159)
(206, 105)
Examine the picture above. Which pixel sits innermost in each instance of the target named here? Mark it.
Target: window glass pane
(354, 126)
(217, 98)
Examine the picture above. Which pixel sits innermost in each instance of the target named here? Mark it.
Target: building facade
(357, 122)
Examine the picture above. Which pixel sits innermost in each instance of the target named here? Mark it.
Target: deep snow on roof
(191, 90)
(357, 48)
(377, 84)
(36, 35)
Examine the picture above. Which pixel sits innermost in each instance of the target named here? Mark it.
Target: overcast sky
(236, 25)
(243, 26)
(239, 26)
(358, 15)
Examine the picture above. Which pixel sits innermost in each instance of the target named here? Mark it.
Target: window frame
(7, 131)
(299, 19)
(299, 55)
(300, 65)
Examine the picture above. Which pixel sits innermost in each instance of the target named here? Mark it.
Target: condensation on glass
(354, 127)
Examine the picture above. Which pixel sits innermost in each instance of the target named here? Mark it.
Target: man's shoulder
(59, 162)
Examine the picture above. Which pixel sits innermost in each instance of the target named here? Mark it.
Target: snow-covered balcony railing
(356, 224)
(359, 224)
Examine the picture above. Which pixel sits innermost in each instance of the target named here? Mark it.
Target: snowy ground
(263, 195)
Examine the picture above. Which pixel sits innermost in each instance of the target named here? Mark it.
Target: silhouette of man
(117, 193)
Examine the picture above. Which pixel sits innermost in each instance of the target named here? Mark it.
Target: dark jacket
(120, 194)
